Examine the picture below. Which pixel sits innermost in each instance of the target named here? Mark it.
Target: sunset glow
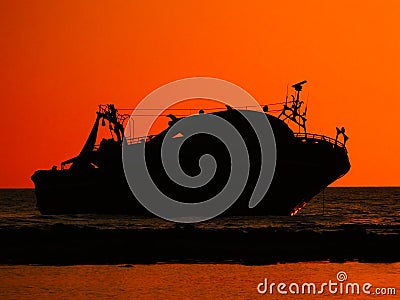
(60, 59)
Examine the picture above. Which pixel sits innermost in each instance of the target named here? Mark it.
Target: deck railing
(318, 137)
(139, 139)
(299, 135)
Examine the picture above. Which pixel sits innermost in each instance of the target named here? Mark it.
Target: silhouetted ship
(94, 181)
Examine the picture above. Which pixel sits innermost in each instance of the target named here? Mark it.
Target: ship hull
(297, 179)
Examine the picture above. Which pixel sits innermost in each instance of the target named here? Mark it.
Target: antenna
(298, 86)
(287, 92)
(305, 110)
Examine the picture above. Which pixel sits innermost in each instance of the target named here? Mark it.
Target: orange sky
(60, 59)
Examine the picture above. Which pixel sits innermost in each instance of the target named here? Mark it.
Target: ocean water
(371, 210)
(199, 281)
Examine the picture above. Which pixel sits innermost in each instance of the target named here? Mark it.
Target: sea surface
(374, 210)
(194, 281)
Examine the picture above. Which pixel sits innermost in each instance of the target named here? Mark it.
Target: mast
(292, 110)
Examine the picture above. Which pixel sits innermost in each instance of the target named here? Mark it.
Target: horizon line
(341, 186)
